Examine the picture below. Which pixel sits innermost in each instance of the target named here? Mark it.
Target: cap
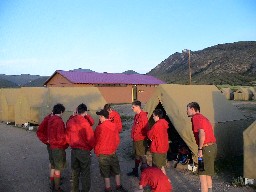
(103, 113)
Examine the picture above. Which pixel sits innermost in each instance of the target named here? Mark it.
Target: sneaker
(121, 189)
(134, 173)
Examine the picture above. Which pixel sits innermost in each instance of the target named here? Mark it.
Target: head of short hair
(136, 103)
(107, 107)
(103, 113)
(81, 108)
(159, 113)
(195, 106)
(58, 109)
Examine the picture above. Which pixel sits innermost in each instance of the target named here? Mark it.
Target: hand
(200, 153)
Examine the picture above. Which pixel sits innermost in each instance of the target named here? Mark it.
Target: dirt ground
(24, 161)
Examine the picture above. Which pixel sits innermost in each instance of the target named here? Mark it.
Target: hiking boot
(134, 173)
(51, 184)
(121, 189)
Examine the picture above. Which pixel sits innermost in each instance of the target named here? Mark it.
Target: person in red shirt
(80, 137)
(159, 136)
(139, 135)
(42, 134)
(106, 143)
(57, 142)
(114, 117)
(206, 141)
(155, 179)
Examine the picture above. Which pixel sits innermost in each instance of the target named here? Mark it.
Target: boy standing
(206, 141)
(159, 137)
(57, 142)
(106, 143)
(42, 134)
(114, 117)
(138, 135)
(80, 137)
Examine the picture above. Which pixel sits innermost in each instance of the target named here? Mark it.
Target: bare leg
(118, 180)
(209, 181)
(163, 170)
(107, 182)
(203, 183)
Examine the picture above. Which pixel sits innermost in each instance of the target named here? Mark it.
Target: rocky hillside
(231, 63)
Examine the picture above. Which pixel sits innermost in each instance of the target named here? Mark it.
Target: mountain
(7, 84)
(129, 72)
(37, 82)
(231, 63)
(19, 80)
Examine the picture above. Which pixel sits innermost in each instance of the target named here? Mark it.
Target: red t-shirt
(159, 137)
(106, 138)
(156, 179)
(57, 133)
(42, 131)
(115, 118)
(140, 126)
(201, 122)
(80, 133)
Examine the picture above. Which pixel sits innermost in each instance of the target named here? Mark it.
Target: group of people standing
(79, 135)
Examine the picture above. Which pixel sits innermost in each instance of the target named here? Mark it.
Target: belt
(208, 144)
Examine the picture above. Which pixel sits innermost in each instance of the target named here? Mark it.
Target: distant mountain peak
(230, 63)
(129, 72)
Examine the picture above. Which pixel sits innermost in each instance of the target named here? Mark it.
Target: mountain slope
(232, 63)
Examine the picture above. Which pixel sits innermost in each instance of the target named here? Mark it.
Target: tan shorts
(209, 155)
(159, 159)
(140, 148)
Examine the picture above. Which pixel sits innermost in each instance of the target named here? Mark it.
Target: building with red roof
(115, 87)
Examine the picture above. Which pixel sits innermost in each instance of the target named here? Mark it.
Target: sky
(38, 37)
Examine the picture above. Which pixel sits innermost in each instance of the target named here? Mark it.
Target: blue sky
(40, 36)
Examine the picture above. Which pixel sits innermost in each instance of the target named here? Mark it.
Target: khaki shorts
(59, 159)
(109, 165)
(209, 155)
(159, 159)
(140, 148)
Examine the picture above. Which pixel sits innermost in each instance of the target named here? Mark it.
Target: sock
(51, 178)
(118, 186)
(137, 163)
(209, 189)
(57, 181)
(108, 189)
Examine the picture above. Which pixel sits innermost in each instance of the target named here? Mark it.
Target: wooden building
(114, 87)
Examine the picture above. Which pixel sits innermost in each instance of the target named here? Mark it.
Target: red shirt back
(156, 179)
(56, 133)
(106, 138)
(80, 133)
(140, 126)
(201, 122)
(159, 137)
(42, 131)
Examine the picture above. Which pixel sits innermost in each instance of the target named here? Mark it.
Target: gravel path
(24, 166)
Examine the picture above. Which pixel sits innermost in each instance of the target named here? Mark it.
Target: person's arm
(89, 135)
(42, 131)
(89, 119)
(144, 125)
(151, 132)
(201, 142)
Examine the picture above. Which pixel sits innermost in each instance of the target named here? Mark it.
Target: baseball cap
(103, 113)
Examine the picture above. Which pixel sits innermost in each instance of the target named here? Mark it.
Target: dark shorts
(50, 156)
(159, 159)
(209, 155)
(140, 148)
(58, 159)
(109, 165)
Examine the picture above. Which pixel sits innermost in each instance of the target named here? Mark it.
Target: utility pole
(187, 51)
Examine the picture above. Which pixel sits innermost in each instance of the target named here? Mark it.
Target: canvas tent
(71, 97)
(8, 100)
(1, 105)
(228, 122)
(28, 105)
(229, 94)
(243, 94)
(250, 151)
(253, 90)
